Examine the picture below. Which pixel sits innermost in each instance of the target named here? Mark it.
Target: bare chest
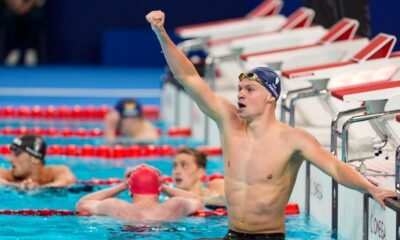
(256, 162)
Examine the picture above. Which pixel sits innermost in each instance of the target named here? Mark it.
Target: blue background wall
(116, 32)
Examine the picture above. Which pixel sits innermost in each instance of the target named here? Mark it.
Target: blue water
(176, 141)
(59, 124)
(83, 228)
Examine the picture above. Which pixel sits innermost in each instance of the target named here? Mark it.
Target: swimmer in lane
(187, 173)
(126, 120)
(144, 185)
(28, 166)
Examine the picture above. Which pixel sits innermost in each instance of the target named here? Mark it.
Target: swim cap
(267, 77)
(144, 180)
(32, 144)
(129, 107)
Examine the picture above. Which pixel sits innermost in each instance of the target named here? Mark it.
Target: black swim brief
(233, 235)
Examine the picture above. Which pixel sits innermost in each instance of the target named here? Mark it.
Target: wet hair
(200, 157)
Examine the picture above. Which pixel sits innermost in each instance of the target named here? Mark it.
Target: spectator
(23, 21)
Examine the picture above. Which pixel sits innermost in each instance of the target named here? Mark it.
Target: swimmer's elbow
(70, 180)
(81, 206)
(197, 204)
(86, 207)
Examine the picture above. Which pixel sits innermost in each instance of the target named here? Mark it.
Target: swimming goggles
(16, 150)
(250, 76)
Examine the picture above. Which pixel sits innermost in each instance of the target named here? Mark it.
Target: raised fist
(156, 19)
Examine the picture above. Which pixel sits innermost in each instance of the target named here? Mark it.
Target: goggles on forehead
(250, 76)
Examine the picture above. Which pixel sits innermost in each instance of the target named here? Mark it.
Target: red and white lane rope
(291, 209)
(63, 212)
(67, 132)
(115, 152)
(75, 112)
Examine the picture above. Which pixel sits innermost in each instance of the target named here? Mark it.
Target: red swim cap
(145, 180)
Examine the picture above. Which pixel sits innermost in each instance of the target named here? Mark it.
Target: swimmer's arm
(106, 193)
(89, 202)
(182, 207)
(343, 173)
(110, 125)
(217, 186)
(184, 71)
(215, 200)
(63, 177)
(5, 182)
(5, 178)
(175, 192)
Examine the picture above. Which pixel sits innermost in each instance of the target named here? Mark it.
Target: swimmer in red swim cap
(144, 185)
(145, 180)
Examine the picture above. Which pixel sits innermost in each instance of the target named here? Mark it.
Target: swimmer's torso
(259, 178)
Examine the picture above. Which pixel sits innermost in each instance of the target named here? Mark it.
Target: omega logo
(316, 190)
(377, 227)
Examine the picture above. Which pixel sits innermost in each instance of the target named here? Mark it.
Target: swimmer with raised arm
(28, 166)
(144, 185)
(262, 156)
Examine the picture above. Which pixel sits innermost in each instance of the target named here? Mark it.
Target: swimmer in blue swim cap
(262, 156)
(28, 168)
(126, 120)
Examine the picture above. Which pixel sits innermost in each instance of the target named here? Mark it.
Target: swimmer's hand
(380, 194)
(156, 19)
(27, 184)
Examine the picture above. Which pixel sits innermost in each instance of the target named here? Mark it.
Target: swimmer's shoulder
(6, 174)
(54, 170)
(216, 186)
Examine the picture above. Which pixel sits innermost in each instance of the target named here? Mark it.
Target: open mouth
(178, 180)
(241, 105)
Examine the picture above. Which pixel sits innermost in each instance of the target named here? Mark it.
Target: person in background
(188, 171)
(145, 187)
(329, 12)
(126, 120)
(28, 168)
(23, 23)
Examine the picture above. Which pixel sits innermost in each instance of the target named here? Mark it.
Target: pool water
(75, 124)
(77, 227)
(74, 228)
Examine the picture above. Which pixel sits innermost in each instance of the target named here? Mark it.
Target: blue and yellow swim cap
(266, 77)
(129, 107)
